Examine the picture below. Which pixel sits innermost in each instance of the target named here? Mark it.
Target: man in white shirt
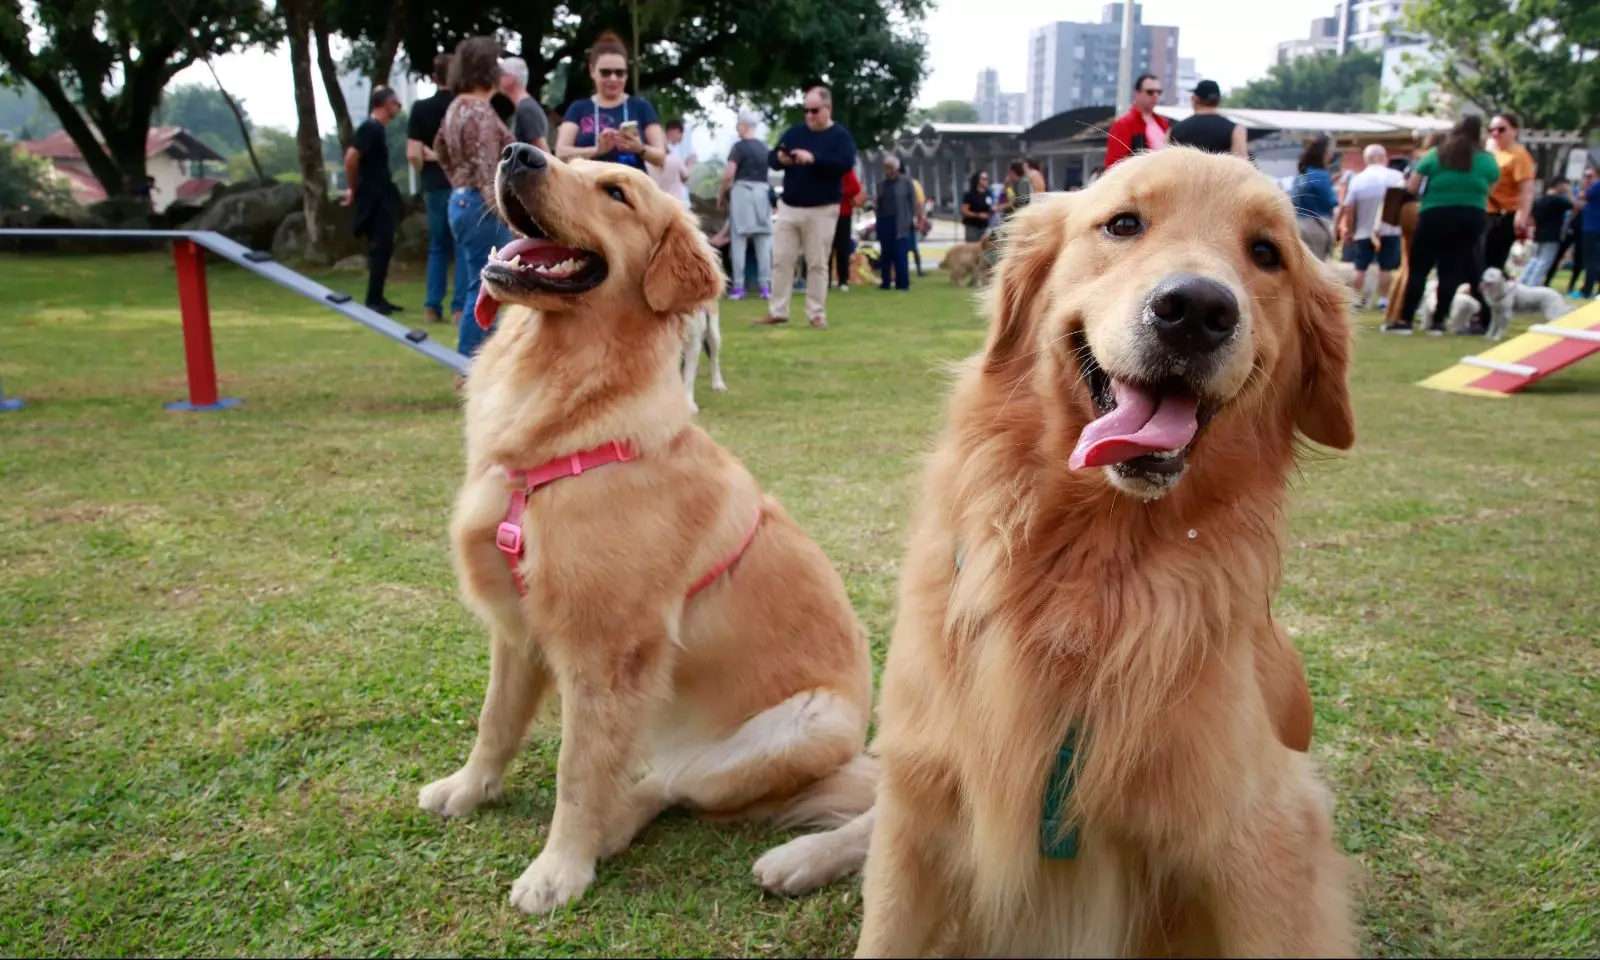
(1372, 238)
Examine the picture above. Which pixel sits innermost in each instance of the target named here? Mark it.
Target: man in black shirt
(423, 126)
(1549, 217)
(1206, 129)
(373, 193)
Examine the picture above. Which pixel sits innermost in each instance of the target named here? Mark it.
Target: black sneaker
(392, 307)
(1476, 330)
(382, 308)
(1403, 329)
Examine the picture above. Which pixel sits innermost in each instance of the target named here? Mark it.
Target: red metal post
(190, 258)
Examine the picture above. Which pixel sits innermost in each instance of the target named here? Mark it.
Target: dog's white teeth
(1166, 455)
(494, 253)
(516, 261)
(542, 268)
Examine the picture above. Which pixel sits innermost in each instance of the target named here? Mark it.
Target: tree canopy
(1326, 82)
(1539, 58)
(104, 65)
(868, 51)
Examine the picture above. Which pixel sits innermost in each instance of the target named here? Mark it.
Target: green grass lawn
(230, 648)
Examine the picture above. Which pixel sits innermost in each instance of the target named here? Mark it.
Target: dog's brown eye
(1265, 254)
(616, 193)
(1124, 225)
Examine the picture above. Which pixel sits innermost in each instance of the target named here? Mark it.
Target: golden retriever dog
(965, 263)
(1092, 730)
(703, 647)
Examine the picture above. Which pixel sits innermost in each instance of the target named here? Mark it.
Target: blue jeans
(442, 249)
(1541, 265)
(762, 264)
(476, 229)
(895, 257)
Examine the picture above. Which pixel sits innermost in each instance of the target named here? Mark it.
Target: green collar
(1056, 842)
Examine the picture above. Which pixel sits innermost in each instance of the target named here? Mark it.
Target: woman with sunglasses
(611, 125)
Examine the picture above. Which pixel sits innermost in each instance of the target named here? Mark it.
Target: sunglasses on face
(1156, 92)
(1498, 129)
(611, 73)
(811, 110)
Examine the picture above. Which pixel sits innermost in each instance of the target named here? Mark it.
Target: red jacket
(1120, 142)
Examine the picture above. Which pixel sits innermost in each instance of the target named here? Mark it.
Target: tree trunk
(238, 117)
(313, 174)
(330, 77)
(100, 163)
(389, 46)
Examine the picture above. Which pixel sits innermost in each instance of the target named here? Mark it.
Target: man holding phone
(814, 157)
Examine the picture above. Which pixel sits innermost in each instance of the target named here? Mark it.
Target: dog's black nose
(522, 158)
(1193, 314)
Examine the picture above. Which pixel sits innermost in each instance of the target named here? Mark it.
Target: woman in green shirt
(1451, 222)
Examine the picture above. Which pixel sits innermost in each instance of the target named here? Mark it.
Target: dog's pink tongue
(485, 309)
(1142, 423)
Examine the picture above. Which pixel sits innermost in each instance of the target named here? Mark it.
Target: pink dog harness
(509, 537)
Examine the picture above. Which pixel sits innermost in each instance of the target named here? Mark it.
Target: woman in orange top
(1511, 199)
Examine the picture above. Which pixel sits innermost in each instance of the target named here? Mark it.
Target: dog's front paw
(458, 794)
(803, 864)
(549, 882)
(718, 384)
(693, 407)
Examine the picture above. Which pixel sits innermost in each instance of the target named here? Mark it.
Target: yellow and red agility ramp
(1507, 368)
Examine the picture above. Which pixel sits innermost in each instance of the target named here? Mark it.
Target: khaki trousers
(807, 231)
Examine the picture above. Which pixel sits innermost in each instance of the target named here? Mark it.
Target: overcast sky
(1231, 43)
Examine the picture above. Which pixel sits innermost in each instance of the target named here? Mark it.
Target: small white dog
(1463, 309)
(702, 332)
(1507, 296)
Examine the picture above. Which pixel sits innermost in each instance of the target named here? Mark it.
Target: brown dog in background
(750, 697)
(1093, 558)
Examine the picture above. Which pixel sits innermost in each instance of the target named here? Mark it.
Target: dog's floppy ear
(683, 273)
(1324, 412)
(1028, 245)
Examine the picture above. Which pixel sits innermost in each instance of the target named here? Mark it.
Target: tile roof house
(173, 157)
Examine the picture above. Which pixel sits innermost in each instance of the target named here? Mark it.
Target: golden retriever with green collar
(1092, 728)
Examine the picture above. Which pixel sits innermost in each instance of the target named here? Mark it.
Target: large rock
(251, 217)
(411, 244)
(289, 240)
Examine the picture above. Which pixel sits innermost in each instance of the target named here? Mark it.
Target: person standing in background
(678, 142)
(814, 157)
(422, 126)
(1141, 128)
(1591, 234)
(1018, 186)
(897, 217)
(1550, 214)
(1572, 236)
(851, 195)
(373, 194)
(528, 121)
(1510, 203)
(1313, 196)
(468, 146)
(975, 207)
(1205, 128)
(1451, 219)
(1369, 236)
(749, 207)
(611, 126)
(914, 240)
